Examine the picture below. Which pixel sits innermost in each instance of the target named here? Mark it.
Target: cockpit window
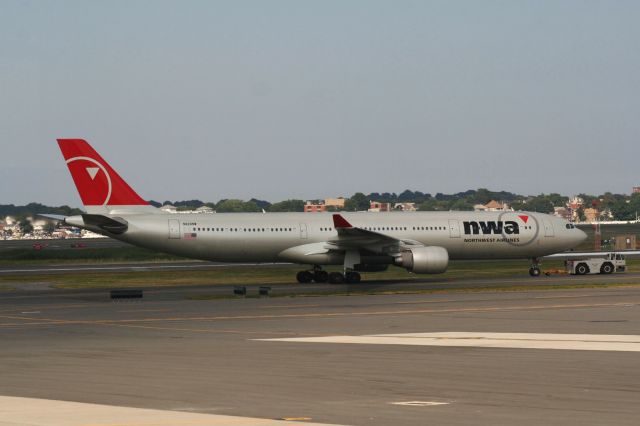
(570, 226)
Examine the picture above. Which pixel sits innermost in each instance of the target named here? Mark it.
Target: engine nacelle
(424, 260)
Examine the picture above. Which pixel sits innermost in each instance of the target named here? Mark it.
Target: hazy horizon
(285, 99)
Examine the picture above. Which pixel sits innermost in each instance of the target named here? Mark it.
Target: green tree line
(621, 206)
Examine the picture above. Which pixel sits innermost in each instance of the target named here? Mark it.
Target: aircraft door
(303, 231)
(174, 229)
(548, 228)
(454, 228)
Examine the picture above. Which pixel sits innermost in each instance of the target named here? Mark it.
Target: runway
(448, 359)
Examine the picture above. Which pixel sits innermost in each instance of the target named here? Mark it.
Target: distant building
(636, 190)
(205, 209)
(169, 208)
(376, 206)
(337, 203)
(496, 206)
(492, 206)
(590, 214)
(38, 225)
(562, 212)
(625, 242)
(575, 203)
(311, 207)
(405, 207)
(480, 208)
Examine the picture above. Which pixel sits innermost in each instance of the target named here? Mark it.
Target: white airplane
(421, 242)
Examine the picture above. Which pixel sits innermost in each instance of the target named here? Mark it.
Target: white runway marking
(46, 412)
(420, 403)
(582, 342)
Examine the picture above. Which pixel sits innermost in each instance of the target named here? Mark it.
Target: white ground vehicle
(612, 262)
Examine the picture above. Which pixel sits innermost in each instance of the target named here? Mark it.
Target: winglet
(340, 222)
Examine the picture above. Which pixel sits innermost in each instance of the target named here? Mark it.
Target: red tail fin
(97, 183)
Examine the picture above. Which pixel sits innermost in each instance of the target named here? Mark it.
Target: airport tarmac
(491, 358)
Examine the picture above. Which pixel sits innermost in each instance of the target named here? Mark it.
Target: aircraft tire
(353, 277)
(336, 278)
(534, 272)
(321, 276)
(304, 277)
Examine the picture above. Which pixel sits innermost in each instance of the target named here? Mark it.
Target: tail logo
(93, 171)
(88, 171)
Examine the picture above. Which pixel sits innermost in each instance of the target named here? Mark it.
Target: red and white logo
(92, 179)
(97, 183)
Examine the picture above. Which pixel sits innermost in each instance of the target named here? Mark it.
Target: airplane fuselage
(256, 237)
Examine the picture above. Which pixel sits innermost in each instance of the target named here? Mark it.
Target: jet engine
(424, 260)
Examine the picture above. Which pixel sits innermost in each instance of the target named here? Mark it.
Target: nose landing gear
(534, 270)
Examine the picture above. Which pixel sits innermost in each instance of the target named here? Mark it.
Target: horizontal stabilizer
(115, 225)
(58, 217)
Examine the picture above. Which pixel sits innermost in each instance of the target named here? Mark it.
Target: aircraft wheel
(336, 278)
(607, 268)
(304, 277)
(321, 276)
(534, 272)
(352, 277)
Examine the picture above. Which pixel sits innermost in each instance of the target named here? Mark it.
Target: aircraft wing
(115, 225)
(352, 237)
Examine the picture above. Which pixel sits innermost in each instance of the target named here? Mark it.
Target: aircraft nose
(580, 236)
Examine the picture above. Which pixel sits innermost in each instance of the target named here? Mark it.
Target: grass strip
(260, 275)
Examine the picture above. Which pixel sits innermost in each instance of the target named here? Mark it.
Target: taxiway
(322, 358)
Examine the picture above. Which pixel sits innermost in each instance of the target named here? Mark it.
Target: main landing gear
(534, 271)
(317, 275)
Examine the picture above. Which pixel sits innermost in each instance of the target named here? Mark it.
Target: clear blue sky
(301, 99)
